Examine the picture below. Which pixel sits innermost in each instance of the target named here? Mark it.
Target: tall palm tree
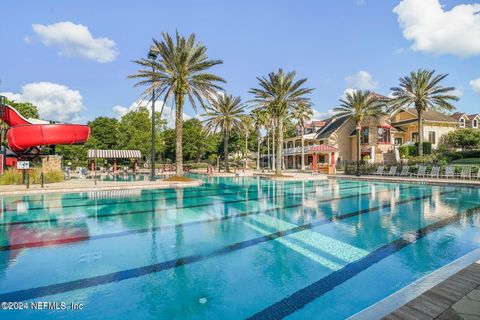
(302, 113)
(422, 89)
(259, 121)
(179, 72)
(247, 121)
(225, 114)
(280, 92)
(359, 105)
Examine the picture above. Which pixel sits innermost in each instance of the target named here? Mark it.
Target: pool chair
(392, 171)
(449, 172)
(379, 170)
(421, 172)
(478, 174)
(435, 173)
(466, 172)
(405, 171)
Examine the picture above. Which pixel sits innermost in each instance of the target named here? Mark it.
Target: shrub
(407, 151)
(427, 148)
(466, 139)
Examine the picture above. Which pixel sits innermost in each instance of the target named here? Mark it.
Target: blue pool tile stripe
(67, 218)
(302, 297)
(45, 243)
(32, 293)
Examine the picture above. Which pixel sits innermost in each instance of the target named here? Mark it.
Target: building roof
(473, 116)
(114, 154)
(458, 115)
(428, 115)
(331, 125)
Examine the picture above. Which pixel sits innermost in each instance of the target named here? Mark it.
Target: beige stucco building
(336, 140)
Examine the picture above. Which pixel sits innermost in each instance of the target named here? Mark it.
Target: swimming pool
(231, 248)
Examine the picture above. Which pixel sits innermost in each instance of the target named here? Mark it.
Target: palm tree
(259, 121)
(179, 72)
(302, 113)
(422, 89)
(279, 92)
(359, 105)
(247, 126)
(226, 114)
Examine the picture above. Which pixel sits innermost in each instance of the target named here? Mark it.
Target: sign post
(25, 165)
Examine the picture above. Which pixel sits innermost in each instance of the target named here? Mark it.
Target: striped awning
(114, 154)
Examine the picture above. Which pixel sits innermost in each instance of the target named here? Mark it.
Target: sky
(72, 58)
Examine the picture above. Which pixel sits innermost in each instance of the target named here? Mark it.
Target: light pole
(152, 56)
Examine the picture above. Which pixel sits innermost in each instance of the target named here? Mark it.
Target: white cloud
(318, 115)
(457, 92)
(54, 101)
(361, 80)
(343, 96)
(438, 31)
(475, 85)
(75, 40)
(168, 113)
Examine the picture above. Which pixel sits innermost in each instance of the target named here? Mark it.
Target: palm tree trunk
(274, 139)
(259, 141)
(303, 151)
(420, 131)
(359, 128)
(225, 150)
(278, 167)
(179, 133)
(268, 151)
(246, 148)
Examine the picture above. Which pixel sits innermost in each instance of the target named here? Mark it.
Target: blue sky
(335, 44)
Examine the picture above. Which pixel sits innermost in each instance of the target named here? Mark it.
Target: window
(383, 135)
(475, 123)
(415, 136)
(398, 141)
(462, 122)
(364, 136)
(431, 137)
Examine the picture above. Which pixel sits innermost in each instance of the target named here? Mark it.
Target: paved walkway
(82, 185)
(456, 298)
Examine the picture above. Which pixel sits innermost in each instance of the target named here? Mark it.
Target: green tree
(179, 72)
(466, 139)
(135, 132)
(105, 132)
(196, 141)
(301, 114)
(225, 114)
(422, 89)
(359, 105)
(279, 93)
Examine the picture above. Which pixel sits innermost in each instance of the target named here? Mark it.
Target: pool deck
(431, 181)
(458, 297)
(89, 185)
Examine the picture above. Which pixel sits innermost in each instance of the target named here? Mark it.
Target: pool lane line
(52, 289)
(156, 198)
(65, 241)
(67, 218)
(302, 297)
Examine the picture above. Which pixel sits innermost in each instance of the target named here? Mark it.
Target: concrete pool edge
(414, 290)
(423, 181)
(89, 186)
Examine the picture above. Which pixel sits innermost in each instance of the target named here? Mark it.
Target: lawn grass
(467, 161)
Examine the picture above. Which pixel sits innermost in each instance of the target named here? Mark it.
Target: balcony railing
(297, 150)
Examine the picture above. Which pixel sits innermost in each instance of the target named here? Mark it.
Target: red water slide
(25, 134)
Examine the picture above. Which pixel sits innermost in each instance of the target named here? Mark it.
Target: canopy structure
(114, 154)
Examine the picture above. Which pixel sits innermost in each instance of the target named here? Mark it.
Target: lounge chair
(405, 171)
(466, 172)
(435, 172)
(379, 170)
(449, 172)
(392, 171)
(421, 171)
(478, 173)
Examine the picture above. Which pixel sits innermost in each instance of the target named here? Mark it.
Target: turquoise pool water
(230, 249)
